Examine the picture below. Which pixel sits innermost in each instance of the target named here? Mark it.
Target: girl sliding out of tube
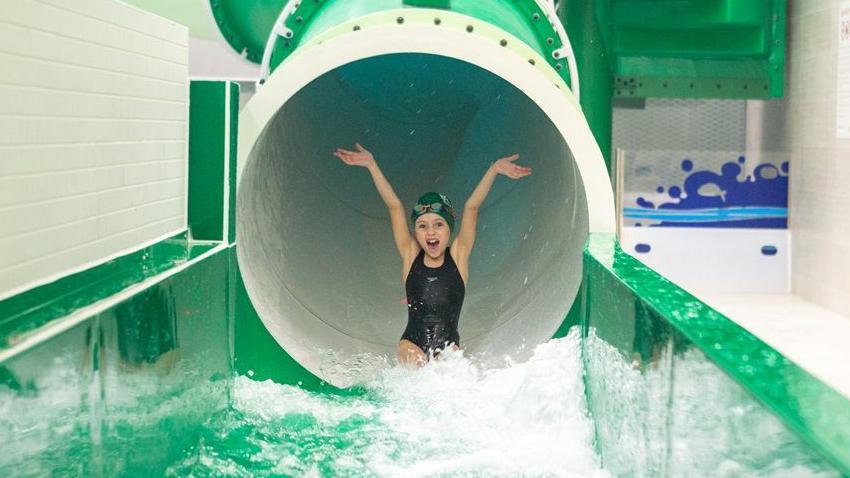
(434, 271)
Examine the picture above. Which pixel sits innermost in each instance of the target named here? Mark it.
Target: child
(434, 272)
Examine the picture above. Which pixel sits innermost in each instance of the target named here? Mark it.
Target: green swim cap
(438, 204)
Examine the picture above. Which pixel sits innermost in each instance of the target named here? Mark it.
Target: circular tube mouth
(314, 239)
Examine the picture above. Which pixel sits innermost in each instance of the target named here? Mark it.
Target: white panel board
(714, 259)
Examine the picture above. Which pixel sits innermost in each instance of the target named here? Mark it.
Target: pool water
(677, 415)
(450, 418)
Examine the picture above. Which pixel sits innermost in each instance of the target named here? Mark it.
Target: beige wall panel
(68, 51)
(34, 159)
(93, 127)
(36, 101)
(33, 72)
(131, 18)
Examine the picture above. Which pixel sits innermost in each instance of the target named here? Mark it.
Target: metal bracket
(278, 30)
(566, 50)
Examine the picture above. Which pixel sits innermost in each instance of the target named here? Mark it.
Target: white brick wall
(93, 118)
(804, 123)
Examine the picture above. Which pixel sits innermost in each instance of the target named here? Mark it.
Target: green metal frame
(698, 48)
(590, 40)
(685, 49)
(213, 123)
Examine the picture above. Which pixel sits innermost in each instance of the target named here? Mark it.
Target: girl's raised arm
(405, 243)
(469, 222)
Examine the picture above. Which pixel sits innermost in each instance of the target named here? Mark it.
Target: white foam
(450, 417)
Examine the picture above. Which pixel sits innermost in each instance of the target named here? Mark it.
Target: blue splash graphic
(642, 248)
(725, 199)
(769, 250)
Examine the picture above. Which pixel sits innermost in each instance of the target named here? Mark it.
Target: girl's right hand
(361, 157)
(507, 167)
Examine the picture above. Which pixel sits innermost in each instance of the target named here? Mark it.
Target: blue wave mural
(724, 199)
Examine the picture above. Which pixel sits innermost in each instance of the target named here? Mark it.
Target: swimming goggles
(434, 207)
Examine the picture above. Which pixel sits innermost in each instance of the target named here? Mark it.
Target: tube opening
(315, 243)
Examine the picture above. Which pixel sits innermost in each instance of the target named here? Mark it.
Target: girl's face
(432, 233)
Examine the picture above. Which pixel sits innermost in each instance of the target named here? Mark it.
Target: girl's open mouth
(433, 244)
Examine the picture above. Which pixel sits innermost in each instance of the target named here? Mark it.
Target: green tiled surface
(667, 375)
(30, 310)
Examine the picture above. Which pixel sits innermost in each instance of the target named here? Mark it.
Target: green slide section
(247, 25)
(625, 48)
(657, 48)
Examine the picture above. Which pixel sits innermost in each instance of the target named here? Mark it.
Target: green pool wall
(122, 390)
(23, 313)
(688, 389)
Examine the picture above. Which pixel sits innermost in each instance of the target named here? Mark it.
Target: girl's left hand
(507, 167)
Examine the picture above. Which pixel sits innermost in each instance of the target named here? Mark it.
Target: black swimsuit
(434, 299)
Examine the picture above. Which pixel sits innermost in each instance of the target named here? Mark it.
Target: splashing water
(679, 415)
(450, 418)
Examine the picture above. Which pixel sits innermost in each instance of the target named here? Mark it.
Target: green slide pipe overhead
(436, 92)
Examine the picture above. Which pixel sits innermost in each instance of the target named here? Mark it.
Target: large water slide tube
(437, 94)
